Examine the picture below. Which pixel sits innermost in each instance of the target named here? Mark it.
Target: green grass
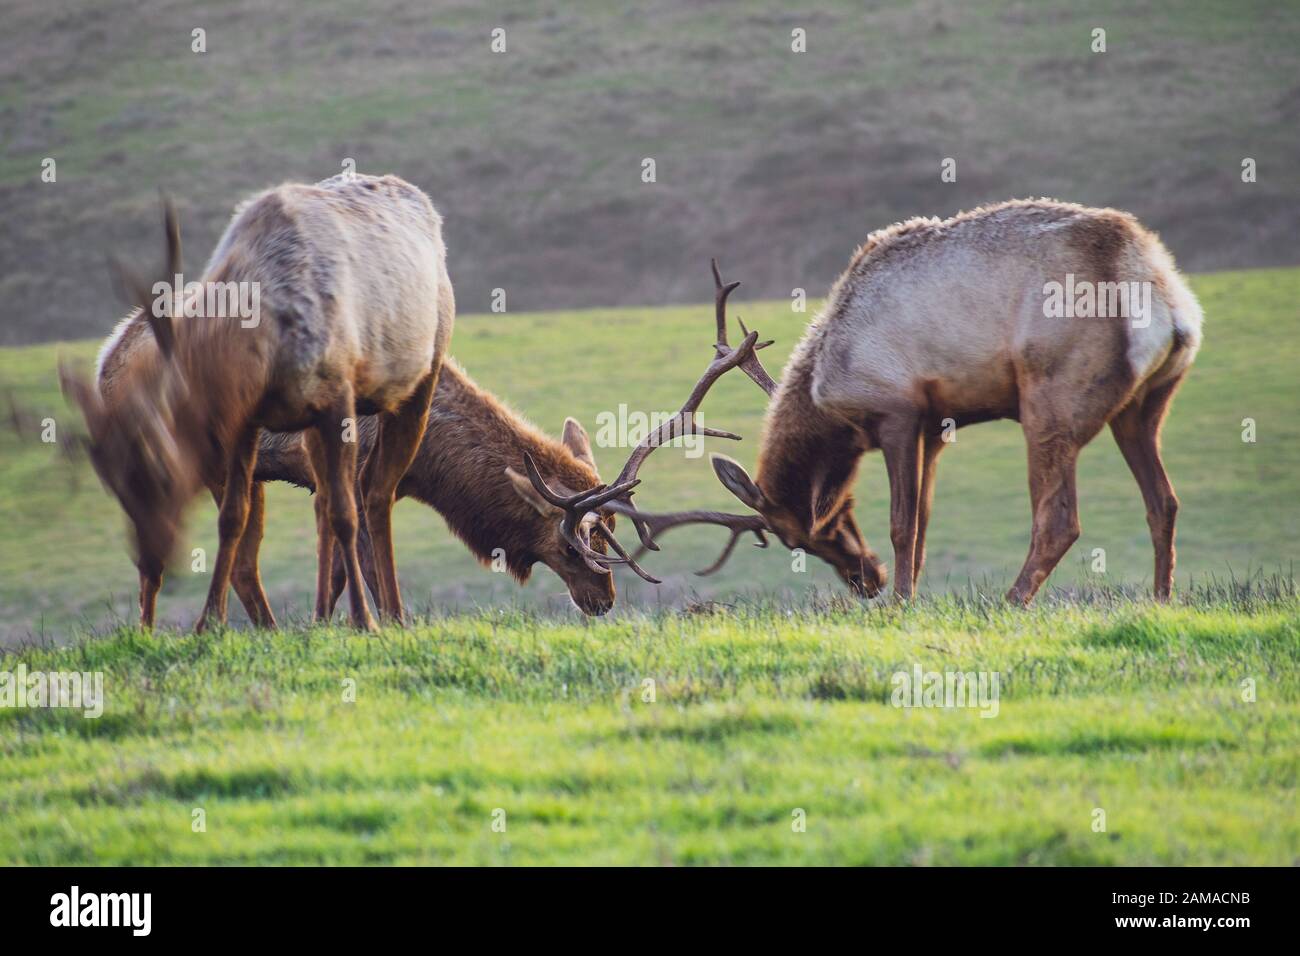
(64, 564)
(771, 697)
(759, 711)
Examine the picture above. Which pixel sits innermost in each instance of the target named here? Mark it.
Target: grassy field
(772, 690)
(64, 565)
(763, 716)
(745, 718)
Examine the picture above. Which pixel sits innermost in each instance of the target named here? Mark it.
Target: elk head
(821, 523)
(590, 584)
(138, 442)
(825, 528)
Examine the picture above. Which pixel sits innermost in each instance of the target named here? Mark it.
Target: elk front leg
(1056, 511)
(900, 441)
(334, 462)
(929, 459)
(397, 442)
(365, 554)
(151, 577)
(246, 578)
(232, 519)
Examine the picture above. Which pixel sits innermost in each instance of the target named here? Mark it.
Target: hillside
(778, 162)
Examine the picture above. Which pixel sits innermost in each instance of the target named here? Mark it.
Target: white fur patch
(110, 345)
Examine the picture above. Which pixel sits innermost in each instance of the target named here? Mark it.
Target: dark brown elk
(937, 325)
(470, 469)
(340, 332)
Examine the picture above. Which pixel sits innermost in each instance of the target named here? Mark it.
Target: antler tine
(683, 423)
(554, 497)
(600, 563)
(624, 557)
(657, 524)
(720, 293)
(616, 496)
(601, 494)
(731, 546)
(751, 365)
(569, 527)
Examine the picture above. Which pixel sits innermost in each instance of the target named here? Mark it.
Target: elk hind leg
(399, 437)
(334, 461)
(365, 554)
(1137, 432)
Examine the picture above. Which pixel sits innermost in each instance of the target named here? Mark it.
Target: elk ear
(736, 480)
(135, 291)
(524, 489)
(575, 439)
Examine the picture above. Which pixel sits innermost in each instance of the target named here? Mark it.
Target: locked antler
(582, 510)
(657, 524)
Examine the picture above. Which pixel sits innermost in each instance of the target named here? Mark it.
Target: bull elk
(943, 324)
(356, 310)
(470, 469)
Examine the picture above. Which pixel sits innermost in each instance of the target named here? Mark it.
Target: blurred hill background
(778, 162)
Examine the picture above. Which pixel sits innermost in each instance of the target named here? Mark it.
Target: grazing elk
(959, 321)
(355, 314)
(470, 468)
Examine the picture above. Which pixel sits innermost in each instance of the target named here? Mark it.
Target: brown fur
(340, 331)
(471, 439)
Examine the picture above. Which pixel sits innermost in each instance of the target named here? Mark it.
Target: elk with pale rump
(356, 311)
(940, 324)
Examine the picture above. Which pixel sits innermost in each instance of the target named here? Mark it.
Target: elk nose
(593, 605)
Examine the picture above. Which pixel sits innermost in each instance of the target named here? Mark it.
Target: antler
(616, 497)
(657, 524)
(750, 365)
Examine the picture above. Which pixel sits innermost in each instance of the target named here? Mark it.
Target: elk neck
(459, 470)
(805, 450)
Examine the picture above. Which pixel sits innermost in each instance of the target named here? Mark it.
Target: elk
(469, 467)
(939, 323)
(356, 311)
